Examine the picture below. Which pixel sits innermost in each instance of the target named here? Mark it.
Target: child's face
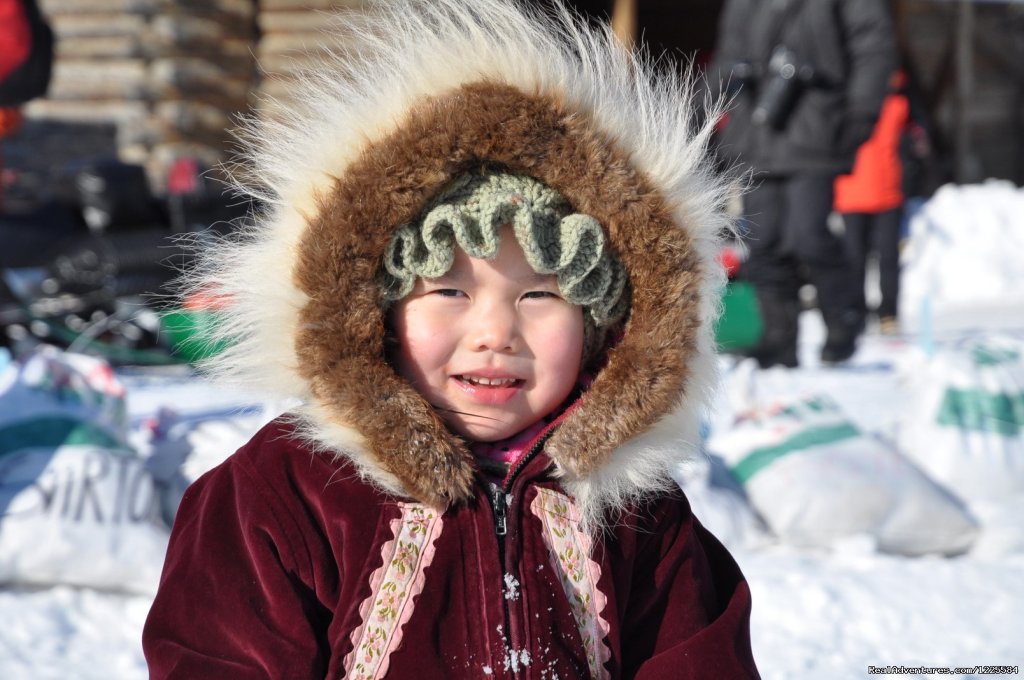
(491, 344)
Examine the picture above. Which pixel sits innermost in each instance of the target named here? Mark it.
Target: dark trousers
(790, 242)
(878, 232)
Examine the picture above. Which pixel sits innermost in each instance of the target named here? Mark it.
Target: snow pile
(964, 251)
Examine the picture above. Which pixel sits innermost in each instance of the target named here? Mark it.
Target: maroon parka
(291, 547)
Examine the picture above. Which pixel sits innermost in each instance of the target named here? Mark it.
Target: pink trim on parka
(393, 586)
(579, 574)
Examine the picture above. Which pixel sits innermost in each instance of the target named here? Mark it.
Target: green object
(740, 326)
(993, 356)
(977, 410)
(55, 431)
(189, 333)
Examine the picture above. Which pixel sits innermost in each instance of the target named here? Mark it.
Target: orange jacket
(875, 185)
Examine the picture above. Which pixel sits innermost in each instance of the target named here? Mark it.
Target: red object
(876, 183)
(206, 300)
(183, 177)
(10, 120)
(15, 36)
(273, 557)
(730, 259)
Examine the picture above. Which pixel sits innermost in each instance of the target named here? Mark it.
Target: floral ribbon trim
(570, 556)
(393, 587)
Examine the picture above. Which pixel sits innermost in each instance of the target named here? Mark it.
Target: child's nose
(496, 329)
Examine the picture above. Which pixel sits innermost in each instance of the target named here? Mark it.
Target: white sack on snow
(719, 502)
(816, 479)
(77, 505)
(964, 423)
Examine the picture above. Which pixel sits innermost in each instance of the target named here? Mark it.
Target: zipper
(499, 503)
(499, 494)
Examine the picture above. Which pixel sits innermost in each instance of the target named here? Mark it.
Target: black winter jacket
(849, 46)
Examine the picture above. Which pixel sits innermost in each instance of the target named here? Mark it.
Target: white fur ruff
(391, 57)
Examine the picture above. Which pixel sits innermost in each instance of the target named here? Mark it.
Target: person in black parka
(808, 79)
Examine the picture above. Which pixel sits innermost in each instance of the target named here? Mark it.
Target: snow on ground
(61, 633)
(818, 613)
(834, 615)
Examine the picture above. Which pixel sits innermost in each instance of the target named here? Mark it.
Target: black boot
(843, 330)
(780, 316)
(840, 299)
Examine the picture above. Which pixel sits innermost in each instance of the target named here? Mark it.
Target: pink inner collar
(510, 450)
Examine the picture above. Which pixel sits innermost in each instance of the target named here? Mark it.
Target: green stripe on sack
(981, 411)
(52, 432)
(757, 459)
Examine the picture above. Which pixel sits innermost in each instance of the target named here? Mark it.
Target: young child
(487, 273)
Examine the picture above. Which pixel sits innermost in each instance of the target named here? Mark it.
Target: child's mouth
(489, 391)
(477, 381)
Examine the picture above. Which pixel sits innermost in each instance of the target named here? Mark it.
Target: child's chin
(484, 433)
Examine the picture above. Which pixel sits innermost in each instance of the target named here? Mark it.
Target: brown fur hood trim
(426, 90)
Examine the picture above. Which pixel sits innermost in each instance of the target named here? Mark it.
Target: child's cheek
(422, 337)
(560, 339)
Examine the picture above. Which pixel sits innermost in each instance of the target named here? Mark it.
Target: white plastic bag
(816, 479)
(77, 504)
(964, 424)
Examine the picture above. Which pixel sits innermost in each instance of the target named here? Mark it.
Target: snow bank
(964, 255)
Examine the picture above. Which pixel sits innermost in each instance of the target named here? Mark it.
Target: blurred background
(155, 80)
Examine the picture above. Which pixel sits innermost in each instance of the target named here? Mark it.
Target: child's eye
(448, 292)
(540, 294)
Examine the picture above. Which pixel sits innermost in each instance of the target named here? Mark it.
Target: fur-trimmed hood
(420, 91)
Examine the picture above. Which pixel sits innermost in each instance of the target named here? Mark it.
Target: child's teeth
(489, 381)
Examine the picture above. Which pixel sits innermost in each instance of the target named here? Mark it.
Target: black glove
(855, 132)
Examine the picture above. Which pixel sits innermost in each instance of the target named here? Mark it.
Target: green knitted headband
(469, 213)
